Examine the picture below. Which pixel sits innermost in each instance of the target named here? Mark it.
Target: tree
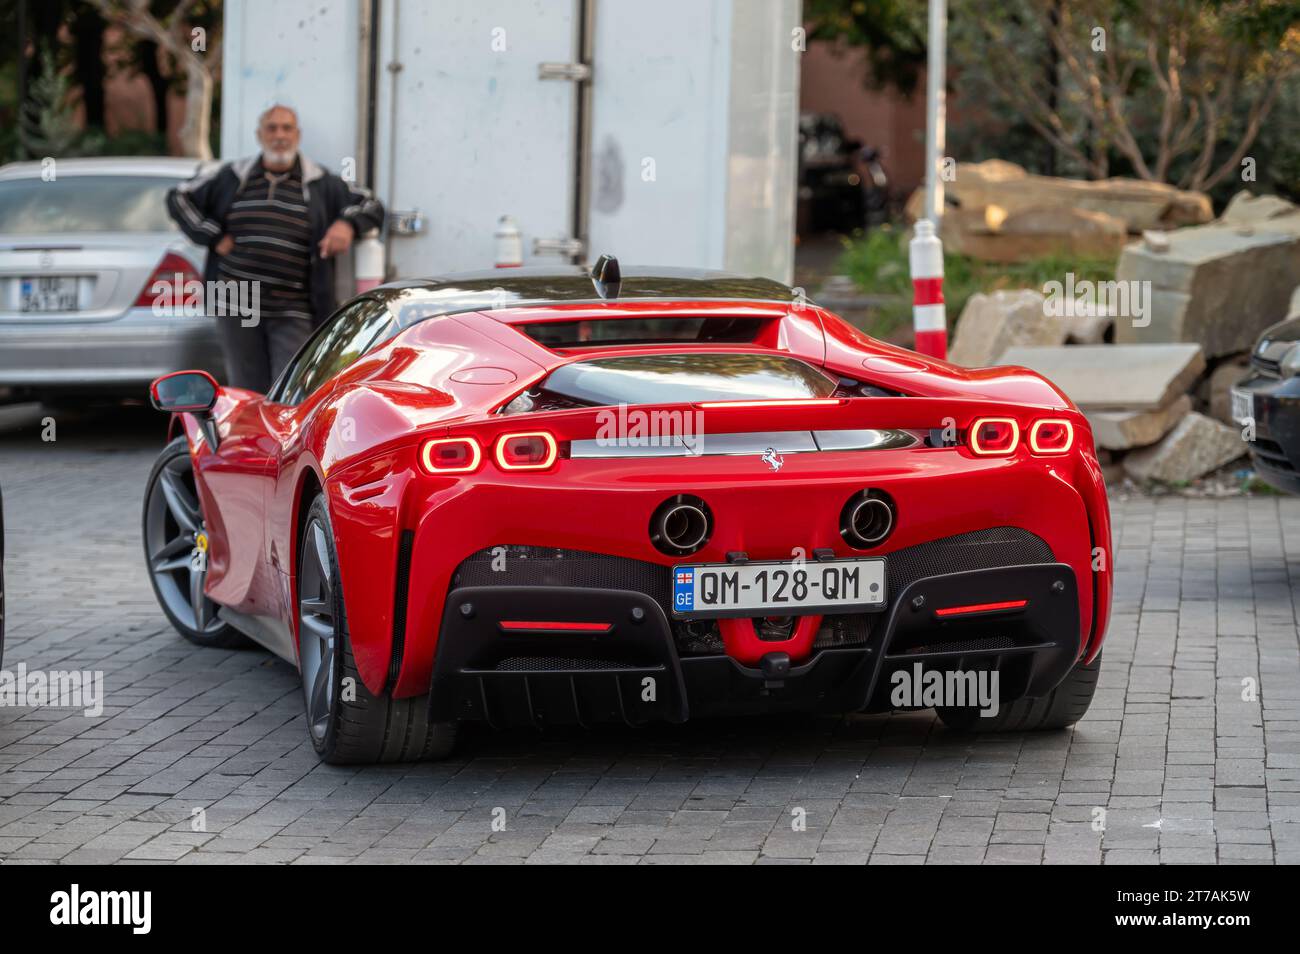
(1162, 83)
(87, 28)
(191, 53)
(892, 30)
(146, 55)
(49, 126)
(1175, 90)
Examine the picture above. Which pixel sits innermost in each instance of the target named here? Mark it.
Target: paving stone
(1183, 767)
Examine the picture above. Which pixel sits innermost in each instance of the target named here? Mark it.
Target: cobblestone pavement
(1188, 763)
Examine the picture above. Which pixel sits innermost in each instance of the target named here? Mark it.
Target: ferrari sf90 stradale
(561, 496)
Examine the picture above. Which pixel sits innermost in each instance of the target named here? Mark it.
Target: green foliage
(48, 125)
(877, 263)
(1251, 484)
(1168, 90)
(892, 30)
(131, 142)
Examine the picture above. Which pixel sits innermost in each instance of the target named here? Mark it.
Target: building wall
(303, 55)
(833, 81)
(763, 128)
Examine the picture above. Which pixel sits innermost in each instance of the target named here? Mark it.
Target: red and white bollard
(510, 244)
(368, 261)
(929, 316)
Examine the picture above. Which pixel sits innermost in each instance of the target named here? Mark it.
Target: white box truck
(660, 131)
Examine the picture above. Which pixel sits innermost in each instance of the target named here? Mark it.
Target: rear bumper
(407, 534)
(636, 671)
(121, 355)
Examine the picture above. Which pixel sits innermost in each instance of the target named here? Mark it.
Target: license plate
(1243, 405)
(48, 293)
(779, 588)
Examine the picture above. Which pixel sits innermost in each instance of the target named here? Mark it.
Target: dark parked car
(1270, 396)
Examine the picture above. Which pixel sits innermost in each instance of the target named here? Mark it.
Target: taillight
(533, 450)
(1051, 435)
(165, 288)
(451, 455)
(991, 436)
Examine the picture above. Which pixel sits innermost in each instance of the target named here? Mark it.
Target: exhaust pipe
(681, 525)
(867, 519)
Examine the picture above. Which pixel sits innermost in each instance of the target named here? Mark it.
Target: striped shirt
(269, 224)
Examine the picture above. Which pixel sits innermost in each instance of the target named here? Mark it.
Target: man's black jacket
(200, 206)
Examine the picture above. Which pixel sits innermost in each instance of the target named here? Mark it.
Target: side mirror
(193, 392)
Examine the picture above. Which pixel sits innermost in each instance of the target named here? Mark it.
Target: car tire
(357, 727)
(171, 526)
(1060, 708)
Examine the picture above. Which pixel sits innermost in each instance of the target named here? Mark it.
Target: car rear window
(661, 330)
(85, 204)
(681, 378)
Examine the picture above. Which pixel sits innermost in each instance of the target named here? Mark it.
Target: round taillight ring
(540, 454)
(1003, 441)
(1058, 440)
(451, 455)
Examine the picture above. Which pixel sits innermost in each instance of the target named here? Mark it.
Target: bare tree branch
(173, 37)
(1258, 110)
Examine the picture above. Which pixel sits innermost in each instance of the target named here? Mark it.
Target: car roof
(538, 287)
(180, 167)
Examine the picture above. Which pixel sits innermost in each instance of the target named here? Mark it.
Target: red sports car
(561, 496)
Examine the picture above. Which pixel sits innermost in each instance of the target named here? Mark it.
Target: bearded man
(280, 220)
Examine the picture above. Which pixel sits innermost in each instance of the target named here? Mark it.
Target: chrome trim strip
(756, 442)
(863, 440)
(605, 449)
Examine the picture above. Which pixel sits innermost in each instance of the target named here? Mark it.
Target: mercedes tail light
(994, 436)
(451, 455)
(533, 450)
(165, 289)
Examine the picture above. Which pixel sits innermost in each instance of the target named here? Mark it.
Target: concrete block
(1115, 377)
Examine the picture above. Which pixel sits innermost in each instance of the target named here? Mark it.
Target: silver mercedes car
(84, 246)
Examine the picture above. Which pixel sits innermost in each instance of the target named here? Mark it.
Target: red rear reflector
(980, 608)
(165, 288)
(994, 435)
(784, 402)
(552, 626)
(451, 455)
(1051, 436)
(533, 450)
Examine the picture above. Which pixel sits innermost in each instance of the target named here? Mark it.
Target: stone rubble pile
(998, 212)
(1151, 357)
(1157, 411)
